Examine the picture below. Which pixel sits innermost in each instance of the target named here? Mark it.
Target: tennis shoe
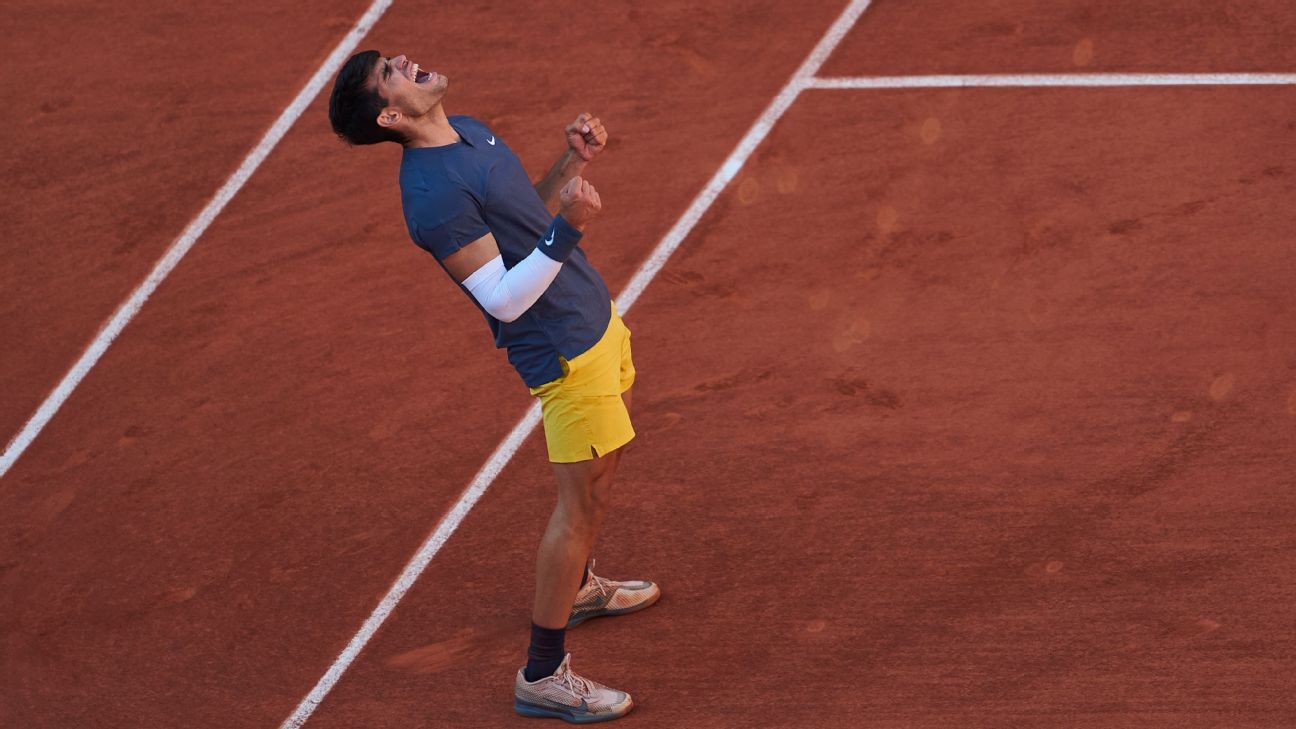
(569, 697)
(603, 597)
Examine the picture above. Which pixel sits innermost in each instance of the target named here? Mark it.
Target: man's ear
(388, 117)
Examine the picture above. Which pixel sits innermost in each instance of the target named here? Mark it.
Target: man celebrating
(468, 201)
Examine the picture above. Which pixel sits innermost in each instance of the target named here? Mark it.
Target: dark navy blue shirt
(455, 194)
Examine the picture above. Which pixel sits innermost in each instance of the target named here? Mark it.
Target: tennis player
(468, 201)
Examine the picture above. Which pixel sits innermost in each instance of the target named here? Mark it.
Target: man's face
(410, 91)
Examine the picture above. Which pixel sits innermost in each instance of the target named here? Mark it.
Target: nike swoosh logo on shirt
(491, 141)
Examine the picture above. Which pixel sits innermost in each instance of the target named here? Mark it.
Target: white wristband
(506, 293)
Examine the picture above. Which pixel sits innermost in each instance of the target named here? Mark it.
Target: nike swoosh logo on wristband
(549, 240)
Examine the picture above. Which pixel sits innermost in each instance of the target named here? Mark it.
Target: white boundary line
(802, 79)
(1070, 79)
(504, 453)
(181, 246)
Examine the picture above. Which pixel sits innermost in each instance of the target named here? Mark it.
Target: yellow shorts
(584, 414)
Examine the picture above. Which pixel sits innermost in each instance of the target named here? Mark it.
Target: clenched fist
(578, 202)
(586, 136)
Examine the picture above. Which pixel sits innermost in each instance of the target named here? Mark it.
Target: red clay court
(966, 351)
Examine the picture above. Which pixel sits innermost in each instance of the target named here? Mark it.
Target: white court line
(450, 522)
(1044, 79)
(189, 237)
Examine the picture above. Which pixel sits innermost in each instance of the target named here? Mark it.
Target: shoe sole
(613, 613)
(544, 712)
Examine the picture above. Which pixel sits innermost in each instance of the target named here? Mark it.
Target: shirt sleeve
(445, 222)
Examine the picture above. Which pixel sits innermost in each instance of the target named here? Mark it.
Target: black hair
(354, 106)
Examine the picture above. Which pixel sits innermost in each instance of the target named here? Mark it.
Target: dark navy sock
(546, 652)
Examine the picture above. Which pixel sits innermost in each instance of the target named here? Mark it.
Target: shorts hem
(602, 449)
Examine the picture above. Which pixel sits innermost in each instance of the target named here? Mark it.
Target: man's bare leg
(584, 493)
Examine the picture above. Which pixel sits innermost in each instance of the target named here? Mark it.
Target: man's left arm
(586, 138)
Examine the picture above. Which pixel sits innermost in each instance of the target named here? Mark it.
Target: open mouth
(421, 76)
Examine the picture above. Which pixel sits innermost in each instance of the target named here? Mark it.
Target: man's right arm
(506, 293)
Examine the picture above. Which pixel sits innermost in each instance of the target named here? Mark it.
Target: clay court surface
(958, 408)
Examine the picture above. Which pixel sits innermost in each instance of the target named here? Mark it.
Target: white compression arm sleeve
(506, 293)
